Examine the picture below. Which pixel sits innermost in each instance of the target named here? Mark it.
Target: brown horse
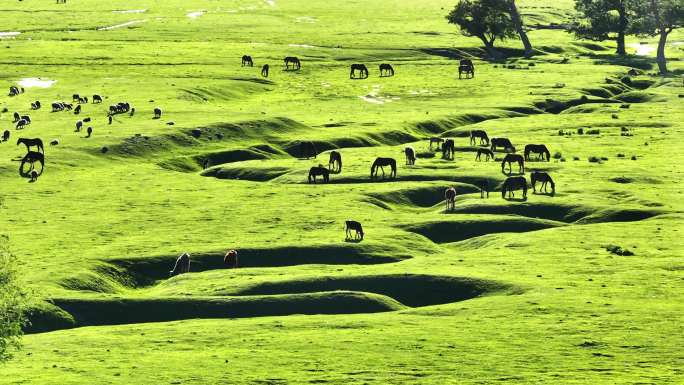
(545, 179)
(230, 260)
(319, 171)
(294, 62)
(410, 156)
(381, 163)
(539, 149)
(479, 134)
(510, 159)
(448, 149)
(264, 70)
(504, 143)
(486, 152)
(335, 162)
(514, 183)
(466, 67)
(361, 69)
(450, 197)
(353, 226)
(247, 61)
(182, 265)
(386, 70)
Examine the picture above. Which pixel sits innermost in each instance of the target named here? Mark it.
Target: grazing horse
(30, 143)
(510, 159)
(35, 105)
(356, 227)
(361, 68)
(381, 163)
(157, 113)
(5, 136)
(77, 110)
(386, 70)
(448, 149)
(182, 265)
(34, 176)
(264, 70)
(75, 97)
(539, 149)
(307, 150)
(57, 106)
(486, 152)
(466, 67)
(335, 162)
(97, 99)
(294, 61)
(479, 134)
(79, 125)
(90, 132)
(504, 143)
(544, 178)
(437, 141)
(247, 61)
(319, 171)
(16, 117)
(450, 197)
(21, 124)
(230, 260)
(410, 156)
(514, 183)
(31, 158)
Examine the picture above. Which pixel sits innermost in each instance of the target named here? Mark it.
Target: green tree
(601, 20)
(487, 20)
(659, 18)
(12, 300)
(519, 27)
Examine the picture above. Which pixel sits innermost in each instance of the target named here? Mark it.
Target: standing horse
(264, 70)
(544, 178)
(294, 61)
(539, 149)
(486, 152)
(319, 171)
(437, 141)
(479, 134)
(157, 113)
(5, 136)
(247, 61)
(335, 162)
(386, 70)
(97, 99)
(510, 159)
(514, 183)
(448, 149)
(16, 117)
(466, 67)
(361, 68)
(30, 143)
(410, 156)
(356, 227)
(450, 197)
(381, 163)
(504, 143)
(182, 265)
(230, 260)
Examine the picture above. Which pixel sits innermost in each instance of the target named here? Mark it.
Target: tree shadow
(635, 61)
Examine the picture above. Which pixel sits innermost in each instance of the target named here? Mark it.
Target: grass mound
(255, 174)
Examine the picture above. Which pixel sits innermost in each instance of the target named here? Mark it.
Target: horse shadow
(516, 199)
(353, 240)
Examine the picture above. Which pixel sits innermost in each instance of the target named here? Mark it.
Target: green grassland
(495, 292)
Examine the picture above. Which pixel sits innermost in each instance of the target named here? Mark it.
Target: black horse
(5, 136)
(335, 162)
(353, 226)
(386, 70)
(21, 124)
(381, 163)
(247, 61)
(448, 149)
(486, 152)
(77, 110)
(545, 179)
(504, 143)
(539, 149)
(437, 141)
(410, 156)
(479, 134)
(466, 67)
(510, 159)
(294, 62)
(35, 105)
(30, 143)
(264, 70)
(319, 171)
(307, 150)
(97, 99)
(16, 117)
(512, 184)
(157, 113)
(362, 70)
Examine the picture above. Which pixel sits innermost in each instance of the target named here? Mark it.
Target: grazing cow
(362, 70)
(319, 171)
(157, 113)
(97, 99)
(504, 143)
(230, 260)
(356, 227)
(182, 265)
(381, 163)
(509, 159)
(514, 183)
(77, 110)
(386, 70)
(264, 70)
(5, 136)
(448, 149)
(17, 117)
(410, 156)
(89, 131)
(247, 61)
(487, 152)
(335, 162)
(79, 125)
(437, 141)
(294, 62)
(21, 124)
(466, 67)
(539, 149)
(307, 150)
(544, 178)
(54, 142)
(450, 197)
(479, 134)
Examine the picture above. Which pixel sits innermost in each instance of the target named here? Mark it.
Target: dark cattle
(353, 226)
(294, 62)
(386, 70)
(512, 184)
(182, 265)
(486, 152)
(448, 149)
(539, 149)
(509, 159)
(361, 69)
(545, 179)
(230, 260)
(97, 99)
(410, 156)
(450, 197)
(335, 161)
(503, 143)
(247, 61)
(381, 163)
(479, 134)
(264, 70)
(466, 67)
(319, 171)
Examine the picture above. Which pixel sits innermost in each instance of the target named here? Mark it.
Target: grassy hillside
(497, 291)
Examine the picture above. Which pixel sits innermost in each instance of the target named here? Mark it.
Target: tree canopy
(488, 20)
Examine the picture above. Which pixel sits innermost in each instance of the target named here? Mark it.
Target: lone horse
(510, 159)
(512, 184)
(539, 149)
(294, 62)
(448, 149)
(504, 143)
(319, 171)
(450, 197)
(247, 61)
(545, 179)
(410, 156)
(486, 152)
(479, 134)
(381, 163)
(230, 260)
(182, 265)
(386, 69)
(335, 162)
(353, 226)
(32, 142)
(264, 70)
(466, 67)
(361, 69)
